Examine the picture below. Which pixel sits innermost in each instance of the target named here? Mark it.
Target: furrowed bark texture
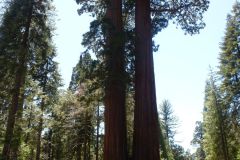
(115, 143)
(146, 126)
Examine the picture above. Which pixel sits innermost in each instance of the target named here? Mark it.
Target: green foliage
(26, 49)
(229, 72)
(222, 97)
(214, 142)
(198, 141)
(238, 156)
(169, 120)
(168, 125)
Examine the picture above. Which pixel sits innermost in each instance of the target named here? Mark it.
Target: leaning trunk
(146, 126)
(115, 123)
(18, 88)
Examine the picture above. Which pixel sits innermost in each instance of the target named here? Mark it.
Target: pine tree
(168, 124)
(169, 120)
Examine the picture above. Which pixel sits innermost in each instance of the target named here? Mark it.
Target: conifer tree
(215, 138)
(230, 77)
(25, 45)
(19, 31)
(168, 124)
(198, 141)
(150, 18)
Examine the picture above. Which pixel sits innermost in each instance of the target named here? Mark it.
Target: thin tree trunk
(39, 132)
(18, 88)
(50, 145)
(97, 136)
(79, 151)
(29, 123)
(40, 126)
(89, 148)
(115, 141)
(146, 126)
(85, 148)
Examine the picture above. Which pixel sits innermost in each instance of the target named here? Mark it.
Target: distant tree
(169, 120)
(77, 117)
(169, 123)
(215, 138)
(179, 152)
(198, 141)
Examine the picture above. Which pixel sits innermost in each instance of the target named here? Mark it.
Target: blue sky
(181, 64)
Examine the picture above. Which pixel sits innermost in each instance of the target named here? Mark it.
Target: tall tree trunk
(146, 126)
(115, 141)
(18, 87)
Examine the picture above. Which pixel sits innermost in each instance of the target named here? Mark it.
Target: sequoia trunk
(115, 143)
(146, 126)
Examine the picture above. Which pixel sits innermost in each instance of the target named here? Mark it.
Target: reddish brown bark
(115, 143)
(146, 126)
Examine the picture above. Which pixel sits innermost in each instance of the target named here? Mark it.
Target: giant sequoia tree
(188, 14)
(107, 31)
(115, 142)
(146, 127)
